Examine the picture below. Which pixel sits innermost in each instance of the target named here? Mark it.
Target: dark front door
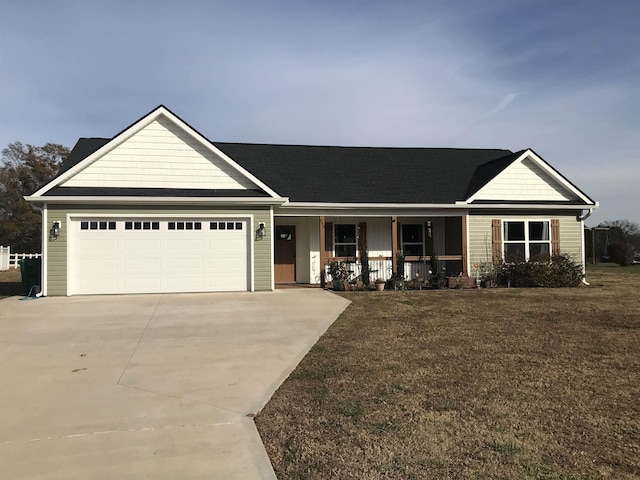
(285, 254)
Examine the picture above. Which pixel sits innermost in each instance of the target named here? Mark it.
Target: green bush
(561, 271)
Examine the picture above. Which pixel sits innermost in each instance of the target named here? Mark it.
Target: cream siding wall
(480, 233)
(161, 155)
(523, 181)
(57, 249)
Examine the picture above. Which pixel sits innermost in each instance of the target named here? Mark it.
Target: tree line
(26, 168)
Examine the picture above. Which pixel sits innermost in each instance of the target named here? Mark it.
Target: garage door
(157, 255)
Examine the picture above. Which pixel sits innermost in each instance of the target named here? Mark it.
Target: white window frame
(527, 242)
(354, 243)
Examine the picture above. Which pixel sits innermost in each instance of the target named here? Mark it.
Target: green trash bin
(30, 268)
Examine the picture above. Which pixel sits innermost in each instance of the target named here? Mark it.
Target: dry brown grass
(499, 383)
(10, 282)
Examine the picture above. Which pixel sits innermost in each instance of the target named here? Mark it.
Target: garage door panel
(187, 244)
(141, 266)
(142, 259)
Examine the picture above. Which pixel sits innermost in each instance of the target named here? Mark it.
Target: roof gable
(161, 156)
(159, 151)
(524, 177)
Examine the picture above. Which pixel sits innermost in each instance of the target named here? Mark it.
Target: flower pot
(380, 286)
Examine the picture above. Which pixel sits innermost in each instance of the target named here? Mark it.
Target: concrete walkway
(148, 386)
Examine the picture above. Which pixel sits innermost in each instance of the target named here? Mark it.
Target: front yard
(497, 383)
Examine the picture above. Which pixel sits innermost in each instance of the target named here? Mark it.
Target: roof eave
(527, 206)
(141, 200)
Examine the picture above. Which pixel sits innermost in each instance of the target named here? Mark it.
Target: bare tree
(25, 169)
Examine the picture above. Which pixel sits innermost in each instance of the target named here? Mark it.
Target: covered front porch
(304, 246)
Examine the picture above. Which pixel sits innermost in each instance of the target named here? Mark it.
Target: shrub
(560, 271)
(622, 253)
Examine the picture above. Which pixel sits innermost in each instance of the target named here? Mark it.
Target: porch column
(323, 256)
(394, 245)
(465, 270)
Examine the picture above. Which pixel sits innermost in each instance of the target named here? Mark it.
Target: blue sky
(561, 77)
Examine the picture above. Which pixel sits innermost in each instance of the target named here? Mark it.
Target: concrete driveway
(148, 386)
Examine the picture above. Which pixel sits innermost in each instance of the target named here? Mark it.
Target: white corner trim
(45, 250)
(272, 237)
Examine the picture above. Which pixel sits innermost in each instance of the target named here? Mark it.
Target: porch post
(394, 245)
(323, 256)
(465, 270)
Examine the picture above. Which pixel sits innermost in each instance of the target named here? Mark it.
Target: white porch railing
(384, 269)
(11, 260)
(413, 270)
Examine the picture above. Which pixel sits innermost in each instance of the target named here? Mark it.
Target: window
(526, 240)
(222, 226)
(344, 240)
(97, 225)
(412, 240)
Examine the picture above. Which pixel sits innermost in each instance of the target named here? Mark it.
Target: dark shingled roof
(363, 174)
(334, 174)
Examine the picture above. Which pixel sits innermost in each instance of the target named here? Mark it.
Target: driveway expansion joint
(141, 337)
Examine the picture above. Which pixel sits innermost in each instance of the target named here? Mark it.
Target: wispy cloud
(561, 78)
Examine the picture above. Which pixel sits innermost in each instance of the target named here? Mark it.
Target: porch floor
(282, 286)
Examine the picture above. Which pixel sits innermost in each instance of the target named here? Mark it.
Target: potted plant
(339, 274)
(380, 284)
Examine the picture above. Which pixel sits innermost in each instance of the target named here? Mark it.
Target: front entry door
(285, 253)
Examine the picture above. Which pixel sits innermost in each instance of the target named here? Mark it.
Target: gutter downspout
(584, 216)
(581, 218)
(43, 268)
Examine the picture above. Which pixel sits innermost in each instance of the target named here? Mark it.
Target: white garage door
(157, 255)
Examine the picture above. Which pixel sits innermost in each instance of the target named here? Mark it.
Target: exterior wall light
(261, 232)
(54, 233)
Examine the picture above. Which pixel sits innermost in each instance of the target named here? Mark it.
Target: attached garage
(112, 255)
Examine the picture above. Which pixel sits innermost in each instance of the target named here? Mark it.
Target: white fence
(10, 260)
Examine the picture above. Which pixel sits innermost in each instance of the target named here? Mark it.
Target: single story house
(160, 208)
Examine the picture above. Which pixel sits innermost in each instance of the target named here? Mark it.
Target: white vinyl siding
(161, 155)
(524, 181)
